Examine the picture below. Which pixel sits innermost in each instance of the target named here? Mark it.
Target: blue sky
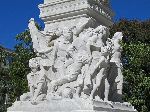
(14, 15)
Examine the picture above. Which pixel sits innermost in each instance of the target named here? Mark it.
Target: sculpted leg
(99, 78)
(78, 91)
(61, 70)
(32, 91)
(72, 76)
(107, 87)
(37, 92)
(119, 81)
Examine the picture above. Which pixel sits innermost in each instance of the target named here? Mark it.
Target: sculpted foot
(33, 102)
(91, 97)
(109, 102)
(106, 100)
(76, 96)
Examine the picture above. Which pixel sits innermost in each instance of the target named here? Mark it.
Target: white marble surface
(78, 67)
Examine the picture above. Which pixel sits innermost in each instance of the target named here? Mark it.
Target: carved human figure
(79, 44)
(60, 48)
(101, 67)
(41, 43)
(94, 45)
(36, 82)
(72, 74)
(115, 74)
(78, 57)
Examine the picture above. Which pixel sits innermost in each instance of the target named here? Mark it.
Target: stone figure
(101, 66)
(81, 59)
(38, 78)
(94, 45)
(41, 43)
(36, 82)
(78, 61)
(60, 46)
(78, 57)
(115, 74)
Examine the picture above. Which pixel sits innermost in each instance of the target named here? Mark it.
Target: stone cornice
(69, 8)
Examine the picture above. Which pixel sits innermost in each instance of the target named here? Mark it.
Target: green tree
(5, 85)
(19, 67)
(136, 61)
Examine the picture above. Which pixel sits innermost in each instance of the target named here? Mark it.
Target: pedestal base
(71, 105)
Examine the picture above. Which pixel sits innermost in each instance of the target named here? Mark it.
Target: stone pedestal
(68, 13)
(71, 105)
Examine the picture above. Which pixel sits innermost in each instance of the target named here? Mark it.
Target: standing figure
(115, 74)
(94, 45)
(99, 71)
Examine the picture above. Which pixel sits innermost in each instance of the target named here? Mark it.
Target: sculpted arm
(54, 54)
(89, 43)
(30, 83)
(98, 65)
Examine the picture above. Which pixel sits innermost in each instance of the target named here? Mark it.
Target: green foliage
(13, 80)
(136, 62)
(19, 68)
(5, 84)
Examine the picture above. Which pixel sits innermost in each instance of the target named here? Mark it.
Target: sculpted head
(58, 32)
(102, 30)
(105, 51)
(34, 64)
(89, 32)
(67, 33)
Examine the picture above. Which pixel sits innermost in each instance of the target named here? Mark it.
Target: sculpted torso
(117, 49)
(61, 46)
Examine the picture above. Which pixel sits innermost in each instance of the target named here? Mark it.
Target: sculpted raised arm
(90, 42)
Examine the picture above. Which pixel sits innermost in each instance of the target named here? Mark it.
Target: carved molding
(53, 10)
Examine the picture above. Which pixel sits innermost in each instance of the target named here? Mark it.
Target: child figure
(37, 80)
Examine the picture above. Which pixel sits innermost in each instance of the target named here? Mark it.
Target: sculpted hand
(54, 86)
(90, 59)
